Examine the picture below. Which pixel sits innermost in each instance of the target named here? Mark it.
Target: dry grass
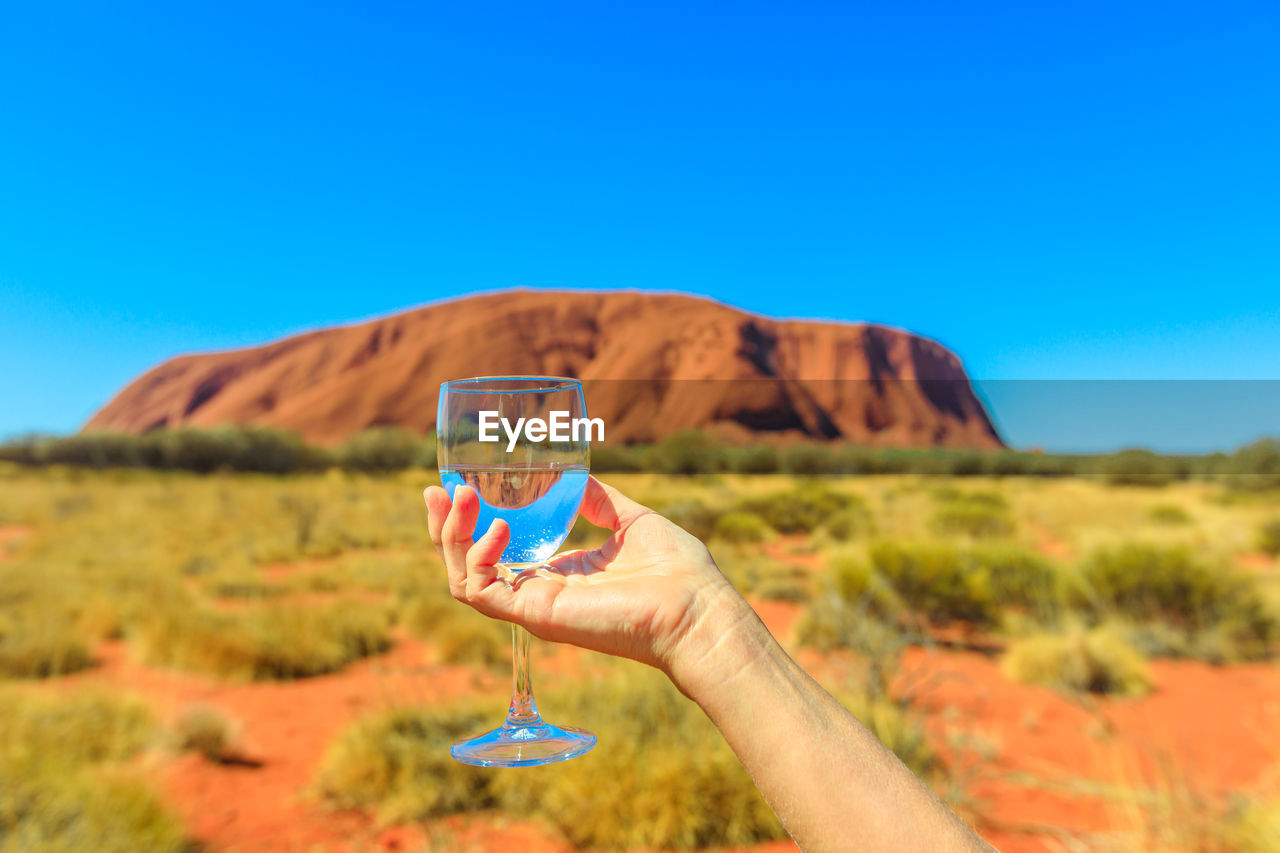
(268, 642)
(204, 729)
(63, 781)
(658, 752)
(1097, 660)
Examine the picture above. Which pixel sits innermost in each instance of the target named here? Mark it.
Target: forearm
(831, 783)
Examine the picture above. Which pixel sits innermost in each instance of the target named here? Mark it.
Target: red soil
(11, 538)
(1036, 754)
(1258, 561)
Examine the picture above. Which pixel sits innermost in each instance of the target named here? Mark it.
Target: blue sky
(1081, 192)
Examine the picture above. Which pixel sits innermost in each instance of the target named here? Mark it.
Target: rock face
(652, 364)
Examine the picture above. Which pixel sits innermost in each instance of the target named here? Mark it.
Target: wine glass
(536, 487)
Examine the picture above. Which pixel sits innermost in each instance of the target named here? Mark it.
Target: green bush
(803, 509)
(1170, 514)
(1142, 468)
(609, 458)
(1269, 537)
(976, 514)
(1019, 578)
(760, 459)
(810, 459)
(1255, 466)
(388, 448)
(1145, 583)
(936, 581)
(739, 526)
(1098, 660)
(693, 516)
(856, 609)
(687, 452)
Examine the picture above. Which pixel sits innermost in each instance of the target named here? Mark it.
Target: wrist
(726, 638)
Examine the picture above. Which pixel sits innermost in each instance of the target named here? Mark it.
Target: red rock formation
(653, 363)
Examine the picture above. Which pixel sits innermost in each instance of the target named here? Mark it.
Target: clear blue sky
(1089, 191)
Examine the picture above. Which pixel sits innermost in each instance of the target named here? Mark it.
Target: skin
(652, 593)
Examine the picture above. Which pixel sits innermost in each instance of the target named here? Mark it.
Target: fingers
(605, 506)
(473, 574)
(455, 538)
(438, 506)
(480, 568)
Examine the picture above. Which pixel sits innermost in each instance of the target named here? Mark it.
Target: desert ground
(258, 663)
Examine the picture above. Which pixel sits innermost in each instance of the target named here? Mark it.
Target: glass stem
(524, 710)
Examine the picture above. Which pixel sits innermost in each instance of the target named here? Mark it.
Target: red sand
(11, 537)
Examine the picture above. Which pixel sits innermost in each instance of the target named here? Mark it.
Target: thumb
(605, 506)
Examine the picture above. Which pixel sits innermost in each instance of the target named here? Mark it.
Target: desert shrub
(1141, 468)
(609, 458)
(753, 573)
(855, 609)
(740, 526)
(692, 516)
(201, 450)
(1256, 466)
(802, 509)
(464, 636)
(96, 450)
(809, 459)
(57, 788)
(386, 448)
(1269, 537)
(1251, 827)
(976, 514)
(259, 449)
(82, 809)
(849, 524)
(935, 580)
(243, 585)
(1171, 514)
(1097, 660)
(687, 452)
(85, 726)
(1019, 578)
(1144, 583)
(204, 729)
(760, 459)
(457, 633)
(276, 641)
(42, 651)
(397, 763)
(664, 761)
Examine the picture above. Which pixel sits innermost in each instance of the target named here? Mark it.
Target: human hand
(640, 595)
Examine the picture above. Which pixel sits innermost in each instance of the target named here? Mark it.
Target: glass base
(523, 746)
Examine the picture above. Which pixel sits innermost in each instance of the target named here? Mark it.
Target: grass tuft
(1097, 660)
(267, 642)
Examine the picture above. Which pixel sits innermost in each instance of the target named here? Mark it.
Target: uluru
(652, 364)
